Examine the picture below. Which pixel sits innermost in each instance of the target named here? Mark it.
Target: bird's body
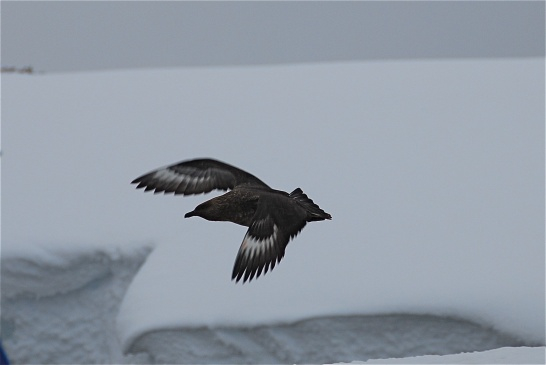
(273, 216)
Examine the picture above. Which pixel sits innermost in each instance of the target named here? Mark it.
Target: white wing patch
(253, 246)
(170, 176)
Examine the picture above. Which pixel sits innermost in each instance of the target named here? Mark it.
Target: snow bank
(59, 302)
(433, 172)
(319, 340)
(519, 355)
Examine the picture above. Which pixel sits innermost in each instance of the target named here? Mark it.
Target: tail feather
(314, 213)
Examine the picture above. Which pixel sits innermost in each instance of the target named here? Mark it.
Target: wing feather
(275, 222)
(196, 177)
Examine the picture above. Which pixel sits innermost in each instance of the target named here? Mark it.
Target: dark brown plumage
(273, 216)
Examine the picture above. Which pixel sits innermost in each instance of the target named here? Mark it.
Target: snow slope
(433, 172)
(59, 302)
(525, 355)
(320, 340)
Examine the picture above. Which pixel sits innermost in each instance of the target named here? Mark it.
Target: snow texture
(527, 355)
(433, 172)
(320, 340)
(59, 304)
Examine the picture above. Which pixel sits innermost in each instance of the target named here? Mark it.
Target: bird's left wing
(267, 237)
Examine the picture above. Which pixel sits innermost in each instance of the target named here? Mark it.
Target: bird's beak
(190, 214)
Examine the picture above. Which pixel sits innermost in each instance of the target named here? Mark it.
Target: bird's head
(207, 210)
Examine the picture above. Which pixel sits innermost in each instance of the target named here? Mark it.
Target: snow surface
(433, 172)
(59, 304)
(320, 340)
(531, 355)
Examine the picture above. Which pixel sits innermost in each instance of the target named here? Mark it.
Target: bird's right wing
(196, 177)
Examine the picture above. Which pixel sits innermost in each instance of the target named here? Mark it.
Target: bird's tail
(314, 213)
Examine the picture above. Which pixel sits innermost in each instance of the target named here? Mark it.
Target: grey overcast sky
(76, 36)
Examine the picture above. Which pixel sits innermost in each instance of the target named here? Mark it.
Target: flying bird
(272, 216)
